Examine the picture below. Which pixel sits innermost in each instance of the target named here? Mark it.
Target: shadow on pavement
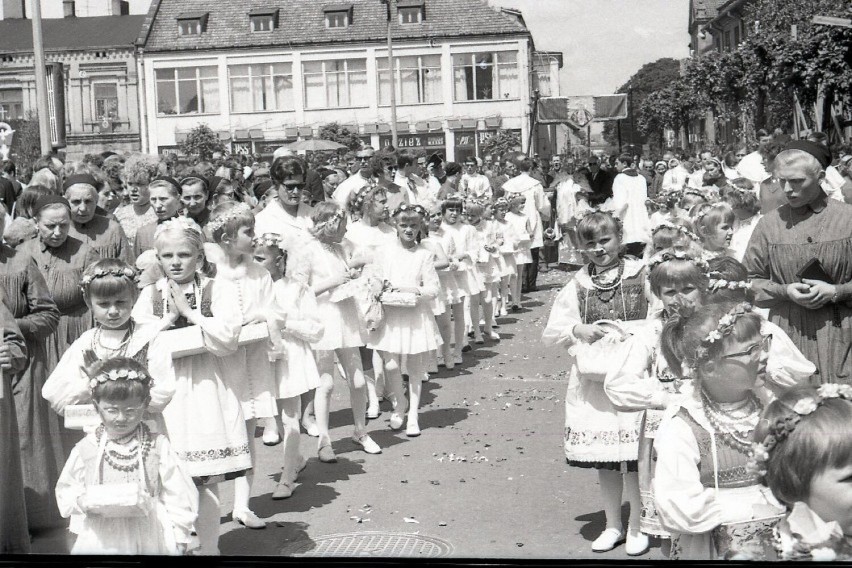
(274, 540)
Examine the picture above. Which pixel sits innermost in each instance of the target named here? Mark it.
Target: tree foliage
(202, 142)
(754, 85)
(26, 144)
(500, 143)
(340, 134)
(651, 78)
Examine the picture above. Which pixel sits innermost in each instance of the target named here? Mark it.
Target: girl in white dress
(109, 288)
(448, 295)
(508, 241)
(408, 331)
(231, 227)
(746, 206)
(484, 247)
(122, 458)
(321, 264)
(597, 435)
(523, 255)
(205, 418)
(455, 238)
(701, 481)
(296, 372)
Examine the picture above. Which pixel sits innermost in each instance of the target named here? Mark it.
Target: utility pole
(392, 71)
(41, 81)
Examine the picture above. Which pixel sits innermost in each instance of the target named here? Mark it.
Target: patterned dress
(36, 314)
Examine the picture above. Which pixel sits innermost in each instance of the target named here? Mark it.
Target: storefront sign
(411, 141)
(465, 139)
(241, 148)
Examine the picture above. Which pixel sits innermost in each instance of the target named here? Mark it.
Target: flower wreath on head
(711, 206)
(181, 223)
(268, 240)
(125, 272)
(670, 255)
(418, 209)
(719, 283)
(120, 375)
(218, 222)
(693, 191)
(784, 426)
(362, 194)
(679, 228)
(724, 328)
(597, 209)
(501, 202)
(336, 218)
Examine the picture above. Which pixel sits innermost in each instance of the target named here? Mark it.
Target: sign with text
(415, 140)
(465, 139)
(581, 110)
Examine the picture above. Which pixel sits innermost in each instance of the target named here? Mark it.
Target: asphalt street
(486, 479)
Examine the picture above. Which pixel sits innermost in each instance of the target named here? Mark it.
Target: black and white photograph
(488, 281)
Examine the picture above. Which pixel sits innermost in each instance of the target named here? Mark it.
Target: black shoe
(466, 348)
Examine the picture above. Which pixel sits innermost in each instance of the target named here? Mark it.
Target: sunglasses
(760, 347)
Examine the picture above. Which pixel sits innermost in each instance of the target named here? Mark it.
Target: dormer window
(411, 11)
(263, 20)
(192, 23)
(338, 16)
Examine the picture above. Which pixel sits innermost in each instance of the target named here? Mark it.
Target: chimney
(12, 9)
(68, 9)
(120, 8)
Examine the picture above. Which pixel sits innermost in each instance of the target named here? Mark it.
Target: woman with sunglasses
(287, 216)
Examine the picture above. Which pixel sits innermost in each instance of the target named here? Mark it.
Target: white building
(264, 72)
(10, 9)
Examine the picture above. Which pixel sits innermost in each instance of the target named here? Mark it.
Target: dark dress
(105, 236)
(37, 316)
(782, 243)
(14, 537)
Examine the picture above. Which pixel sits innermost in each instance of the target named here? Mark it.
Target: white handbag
(595, 359)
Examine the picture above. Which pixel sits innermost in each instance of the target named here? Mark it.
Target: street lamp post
(41, 81)
(392, 71)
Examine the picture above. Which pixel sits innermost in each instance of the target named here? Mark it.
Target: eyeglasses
(761, 347)
(131, 412)
(293, 187)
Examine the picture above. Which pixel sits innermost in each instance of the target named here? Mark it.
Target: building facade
(93, 79)
(263, 73)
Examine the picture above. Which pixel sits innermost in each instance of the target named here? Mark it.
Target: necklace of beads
(112, 352)
(127, 462)
(600, 284)
(735, 424)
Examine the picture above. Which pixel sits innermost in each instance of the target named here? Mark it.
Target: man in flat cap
(800, 261)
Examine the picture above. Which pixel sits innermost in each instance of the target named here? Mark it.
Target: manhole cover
(378, 544)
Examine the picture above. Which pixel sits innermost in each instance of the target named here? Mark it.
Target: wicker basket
(735, 536)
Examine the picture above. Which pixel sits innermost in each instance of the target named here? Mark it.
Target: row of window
(265, 21)
(340, 83)
(104, 102)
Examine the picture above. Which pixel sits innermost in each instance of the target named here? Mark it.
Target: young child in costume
(204, 419)
(523, 256)
(714, 225)
(448, 293)
(701, 485)
(597, 435)
(123, 459)
(484, 247)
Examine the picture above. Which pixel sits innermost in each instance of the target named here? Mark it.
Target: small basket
(736, 536)
(118, 500)
(399, 299)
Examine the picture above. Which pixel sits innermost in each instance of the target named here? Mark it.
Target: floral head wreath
(361, 196)
(693, 191)
(126, 272)
(724, 328)
(337, 217)
(180, 223)
(784, 426)
(668, 256)
(679, 228)
(501, 202)
(593, 210)
(719, 283)
(268, 240)
(120, 375)
(418, 209)
(704, 213)
(220, 221)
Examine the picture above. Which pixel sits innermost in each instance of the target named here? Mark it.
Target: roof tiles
(69, 34)
(302, 22)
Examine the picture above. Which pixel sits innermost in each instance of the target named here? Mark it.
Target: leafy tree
(650, 78)
(500, 143)
(202, 142)
(26, 144)
(340, 134)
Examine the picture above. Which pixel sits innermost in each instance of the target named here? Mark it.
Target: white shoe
(270, 437)
(494, 335)
(459, 360)
(412, 429)
(637, 544)
(608, 540)
(367, 444)
(311, 428)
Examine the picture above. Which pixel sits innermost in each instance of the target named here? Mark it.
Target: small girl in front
(448, 294)
(231, 226)
(802, 451)
(118, 461)
(701, 485)
(296, 372)
(597, 435)
(523, 255)
(409, 331)
(714, 225)
(508, 241)
(204, 419)
(109, 288)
